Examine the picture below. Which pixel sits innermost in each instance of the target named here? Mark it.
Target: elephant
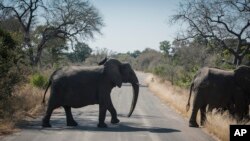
(220, 110)
(79, 86)
(220, 89)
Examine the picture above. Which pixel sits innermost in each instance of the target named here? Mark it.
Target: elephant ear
(242, 77)
(103, 61)
(112, 70)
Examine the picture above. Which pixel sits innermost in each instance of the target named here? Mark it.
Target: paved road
(151, 121)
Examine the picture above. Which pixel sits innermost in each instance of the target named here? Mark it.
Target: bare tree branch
(242, 6)
(65, 19)
(219, 21)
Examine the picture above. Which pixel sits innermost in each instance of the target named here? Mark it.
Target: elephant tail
(190, 92)
(49, 83)
(46, 91)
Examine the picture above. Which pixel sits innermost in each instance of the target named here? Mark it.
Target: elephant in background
(220, 89)
(79, 86)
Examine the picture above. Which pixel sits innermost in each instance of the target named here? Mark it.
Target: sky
(134, 24)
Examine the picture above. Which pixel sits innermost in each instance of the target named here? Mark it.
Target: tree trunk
(237, 60)
(27, 43)
(39, 51)
(38, 56)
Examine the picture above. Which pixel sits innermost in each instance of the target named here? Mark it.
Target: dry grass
(25, 103)
(175, 97)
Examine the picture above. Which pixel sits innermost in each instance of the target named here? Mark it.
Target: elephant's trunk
(135, 97)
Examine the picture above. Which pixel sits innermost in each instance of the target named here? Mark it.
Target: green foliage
(54, 53)
(222, 32)
(159, 70)
(148, 59)
(186, 58)
(74, 20)
(134, 54)
(38, 80)
(11, 25)
(9, 59)
(185, 77)
(126, 57)
(165, 47)
(80, 52)
(97, 55)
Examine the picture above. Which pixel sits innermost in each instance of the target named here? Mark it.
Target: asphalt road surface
(151, 121)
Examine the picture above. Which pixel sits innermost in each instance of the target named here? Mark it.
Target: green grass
(38, 80)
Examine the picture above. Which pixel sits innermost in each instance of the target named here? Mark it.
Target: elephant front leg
(111, 109)
(69, 117)
(102, 116)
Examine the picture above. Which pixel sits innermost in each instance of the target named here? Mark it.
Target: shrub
(9, 59)
(24, 102)
(38, 80)
(159, 70)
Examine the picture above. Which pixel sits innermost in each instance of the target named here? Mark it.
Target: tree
(98, 54)
(136, 53)
(218, 21)
(54, 52)
(65, 19)
(80, 52)
(165, 47)
(9, 60)
(13, 27)
(148, 59)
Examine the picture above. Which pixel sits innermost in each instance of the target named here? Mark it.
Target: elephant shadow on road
(127, 128)
(90, 125)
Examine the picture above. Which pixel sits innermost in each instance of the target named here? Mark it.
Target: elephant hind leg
(46, 118)
(69, 117)
(192, 120)
(203, 115)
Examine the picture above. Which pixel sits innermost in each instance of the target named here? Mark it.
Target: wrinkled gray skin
(77, 86)
(220, 89)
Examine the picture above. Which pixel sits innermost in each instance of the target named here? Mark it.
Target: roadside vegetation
(30, 52)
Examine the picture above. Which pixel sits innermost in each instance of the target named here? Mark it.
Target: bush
(159, 70)
(9, 58)
(184, 76)
(24, 102)
(38, 80)
(149, 59)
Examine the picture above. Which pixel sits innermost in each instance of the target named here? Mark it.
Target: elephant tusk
(137, 84)
(141, 85)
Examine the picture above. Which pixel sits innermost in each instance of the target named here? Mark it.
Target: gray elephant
(220, 89)
(78, 86)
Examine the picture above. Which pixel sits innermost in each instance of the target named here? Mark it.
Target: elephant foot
(102, 125)
(72, 123)
(193, 124)
(115, 120)
(203, 123)
(46, 124)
